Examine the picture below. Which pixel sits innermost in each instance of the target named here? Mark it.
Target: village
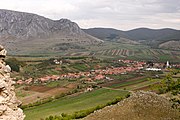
(99, 74)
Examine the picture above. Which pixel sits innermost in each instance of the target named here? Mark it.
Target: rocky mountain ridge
(21, 32)
(26, 25)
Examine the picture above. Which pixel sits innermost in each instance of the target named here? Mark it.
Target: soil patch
(40, 89)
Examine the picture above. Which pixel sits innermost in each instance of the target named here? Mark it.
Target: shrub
(14, 64)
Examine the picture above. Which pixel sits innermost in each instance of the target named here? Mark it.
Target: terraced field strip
(108, 84)
(131, 53)
(134, 85)
(144, 52)
(71, 104)
(120, 51)
(123, 52)
(99, 52)
(160, 52)
(113, 52)
(166, 51)
(149, 52)
(109, 52)
(153, 52)
(120, 85)
(140, 85)
(117, 52)
(103, 53)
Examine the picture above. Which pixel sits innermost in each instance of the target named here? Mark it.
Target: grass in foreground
(71, 104)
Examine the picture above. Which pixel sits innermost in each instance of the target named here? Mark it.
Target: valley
(43, 82)
(64, 72)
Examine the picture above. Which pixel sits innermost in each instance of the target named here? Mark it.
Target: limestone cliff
(8, 102)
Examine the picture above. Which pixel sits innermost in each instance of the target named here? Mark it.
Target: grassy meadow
(70, 104)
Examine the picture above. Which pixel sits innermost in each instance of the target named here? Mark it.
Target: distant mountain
(105, 33)
(153, 34)
(152, 37)
(20, 29)
(109, 34)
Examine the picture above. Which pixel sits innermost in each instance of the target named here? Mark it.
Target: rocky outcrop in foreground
(140, 106)
(8, 102)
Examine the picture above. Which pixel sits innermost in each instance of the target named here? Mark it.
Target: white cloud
(120, 14)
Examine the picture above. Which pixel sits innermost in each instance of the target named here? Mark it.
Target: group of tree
(15, 64)
(169, 84)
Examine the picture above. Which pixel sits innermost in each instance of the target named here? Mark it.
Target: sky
(118, 14)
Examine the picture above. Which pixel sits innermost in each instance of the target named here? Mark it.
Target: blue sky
(119, 14)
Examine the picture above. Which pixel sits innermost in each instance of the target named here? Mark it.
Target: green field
(134, 52)
(57, 83)
(135, 84)
(123, 76)
(71, 104)
(127, 83)
(140, 85)
(114, 50)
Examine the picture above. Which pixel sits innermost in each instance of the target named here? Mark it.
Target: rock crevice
(8, 102)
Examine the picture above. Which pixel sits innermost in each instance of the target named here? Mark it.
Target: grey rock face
(26, 25)
(24, 33)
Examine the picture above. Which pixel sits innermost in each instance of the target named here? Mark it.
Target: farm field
(71, 104)
(128, 83)
(140, 54)
(116, 50)
(74, 89)
(31, 94)
(132, 84)
(134, 52)
(137, 85)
